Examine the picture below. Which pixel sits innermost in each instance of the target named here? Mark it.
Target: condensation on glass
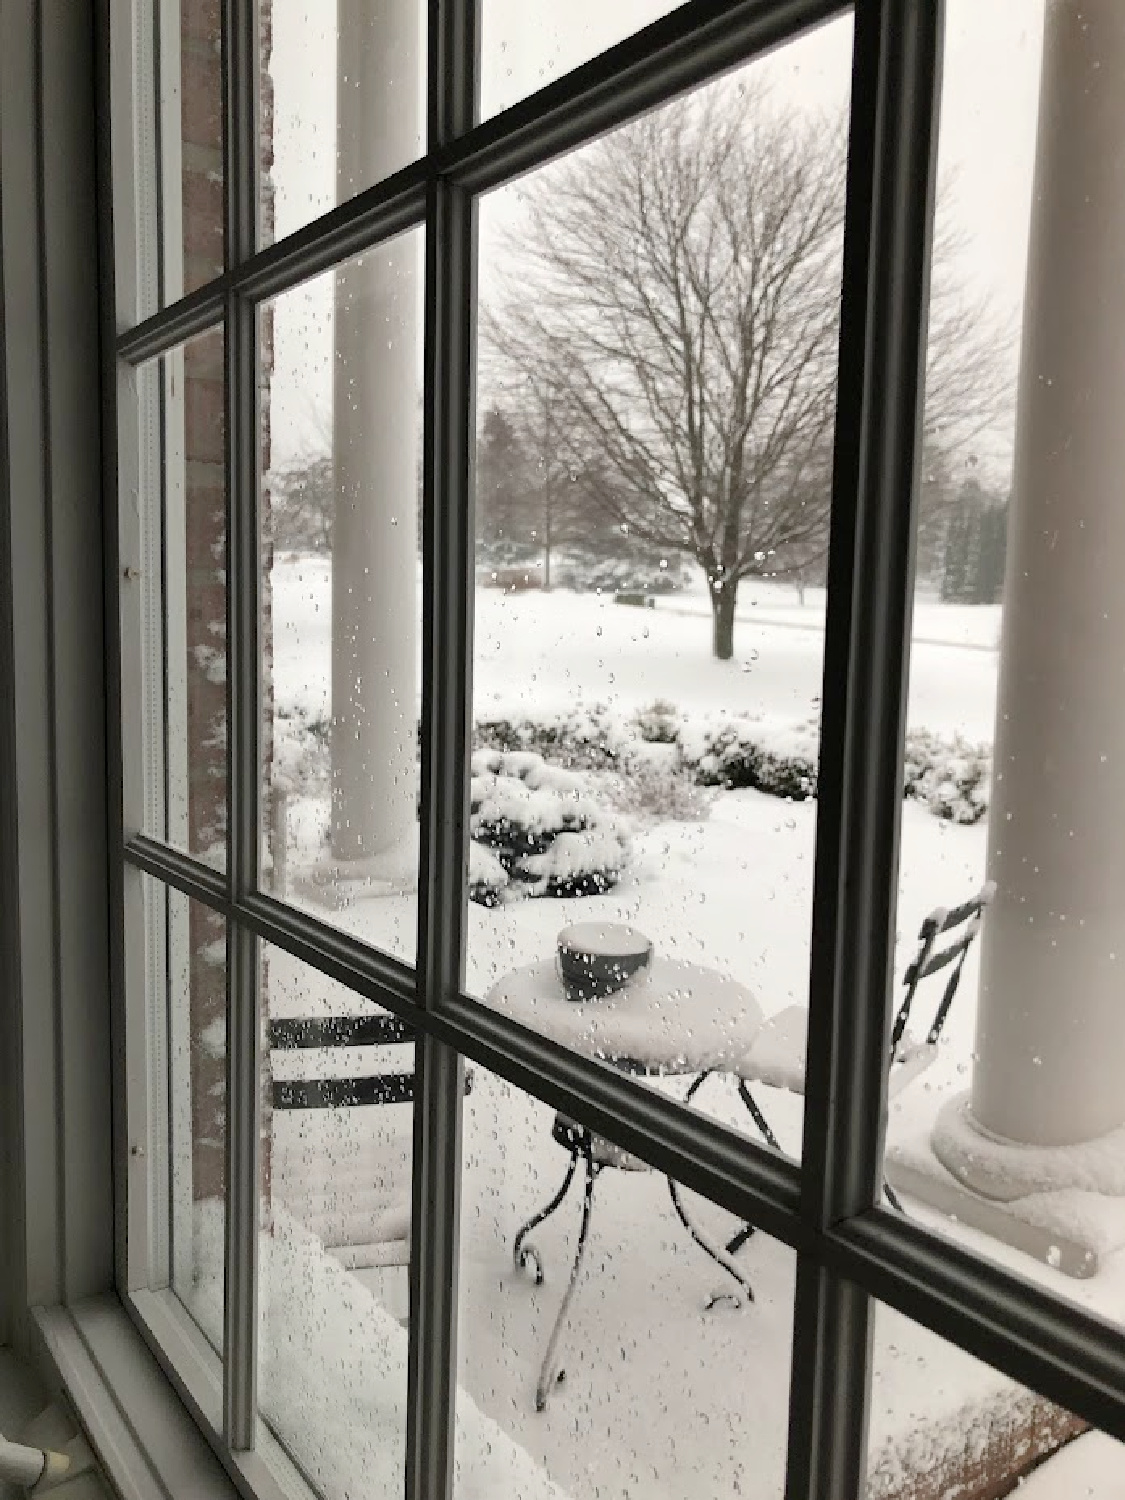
(343, 91)
(341, 593)
(334, 1243)
(186, 975)
(174, 596)
(656, 388)
(944, 1423)
(1011, 1135)
(648, 1371)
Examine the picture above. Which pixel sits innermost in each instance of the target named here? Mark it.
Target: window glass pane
(1007, 1122)
(343, 103)
(187, 976)
(658, 346)
(664, 1394)
(334, 1250)
(525, 47)
(943, 1423)
(174, 598)
(167, 133)
(341, 631)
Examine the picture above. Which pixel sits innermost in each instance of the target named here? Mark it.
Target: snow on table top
(777, 1056)
(677, 1017)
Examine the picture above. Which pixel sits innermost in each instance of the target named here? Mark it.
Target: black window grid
(849, 1249)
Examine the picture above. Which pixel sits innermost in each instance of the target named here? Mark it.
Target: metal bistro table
(675, 1019)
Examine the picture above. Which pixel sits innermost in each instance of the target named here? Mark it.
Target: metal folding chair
(357, 1235)
(777, 1057)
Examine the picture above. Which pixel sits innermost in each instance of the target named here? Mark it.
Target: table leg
(893, 1199)
(718, 1256)
(756, 1114)
(735, 1244)
(522, 1253)
(548, 1376)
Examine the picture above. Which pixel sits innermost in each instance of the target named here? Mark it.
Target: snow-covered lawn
(549, 650)
(663, 1399)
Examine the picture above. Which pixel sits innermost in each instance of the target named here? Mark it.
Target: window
(519, 538)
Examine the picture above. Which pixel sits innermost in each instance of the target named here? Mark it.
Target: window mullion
(243, 1149)
(446, 655)
(891, 175)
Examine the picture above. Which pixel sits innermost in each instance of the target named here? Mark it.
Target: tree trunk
(722, 611)
(547, 541)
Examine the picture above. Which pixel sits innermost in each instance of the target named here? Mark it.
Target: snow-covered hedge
(735, 752)
(949, 776)
(583, 739)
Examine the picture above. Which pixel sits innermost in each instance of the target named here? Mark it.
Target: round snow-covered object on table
(597, 958)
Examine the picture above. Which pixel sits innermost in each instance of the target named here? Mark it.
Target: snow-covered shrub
(950, 776)
(787, 760)
(586, 862)
(658, 723)
(488, 879)
(744, 752)
(613, 575)
(658, 789)
(536, 829)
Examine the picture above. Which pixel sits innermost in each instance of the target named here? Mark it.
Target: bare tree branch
(676, 286)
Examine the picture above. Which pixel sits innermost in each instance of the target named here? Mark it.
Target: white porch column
(375, 448)
(1050, 1049)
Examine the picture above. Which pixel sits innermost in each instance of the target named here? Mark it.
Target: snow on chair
(777, 1057)
(359, 1210)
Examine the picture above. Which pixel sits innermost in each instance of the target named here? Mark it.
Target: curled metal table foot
(719, 1256)
(523, 1253)
(549, 1375)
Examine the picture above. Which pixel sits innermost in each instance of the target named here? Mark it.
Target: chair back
(341, 1031)
(374, 1087)
(944, 940)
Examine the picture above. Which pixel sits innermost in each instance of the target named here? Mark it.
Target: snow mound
(333, 1375)
(1007, 1172)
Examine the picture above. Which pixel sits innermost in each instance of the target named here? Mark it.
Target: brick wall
(205, 504)
(985, 1456)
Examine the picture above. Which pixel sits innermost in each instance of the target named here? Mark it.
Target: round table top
(676, 1017)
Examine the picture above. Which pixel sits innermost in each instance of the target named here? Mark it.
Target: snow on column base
(1006, 1170)
(338, 883)
(1065, 1206)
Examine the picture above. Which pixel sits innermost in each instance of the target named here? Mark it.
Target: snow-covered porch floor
(662, 1397)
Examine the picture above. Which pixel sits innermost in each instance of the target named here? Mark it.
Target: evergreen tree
(504, 527)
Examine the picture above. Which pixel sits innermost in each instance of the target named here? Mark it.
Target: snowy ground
(662, 1398)
(547, 650)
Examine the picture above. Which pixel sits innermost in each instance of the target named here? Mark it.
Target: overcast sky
(987, 143)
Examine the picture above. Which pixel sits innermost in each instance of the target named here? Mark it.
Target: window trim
(849, 1249)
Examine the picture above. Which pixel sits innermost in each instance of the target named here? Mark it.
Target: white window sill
(142, 1432)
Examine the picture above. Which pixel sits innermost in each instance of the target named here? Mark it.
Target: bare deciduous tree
(676, 286)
